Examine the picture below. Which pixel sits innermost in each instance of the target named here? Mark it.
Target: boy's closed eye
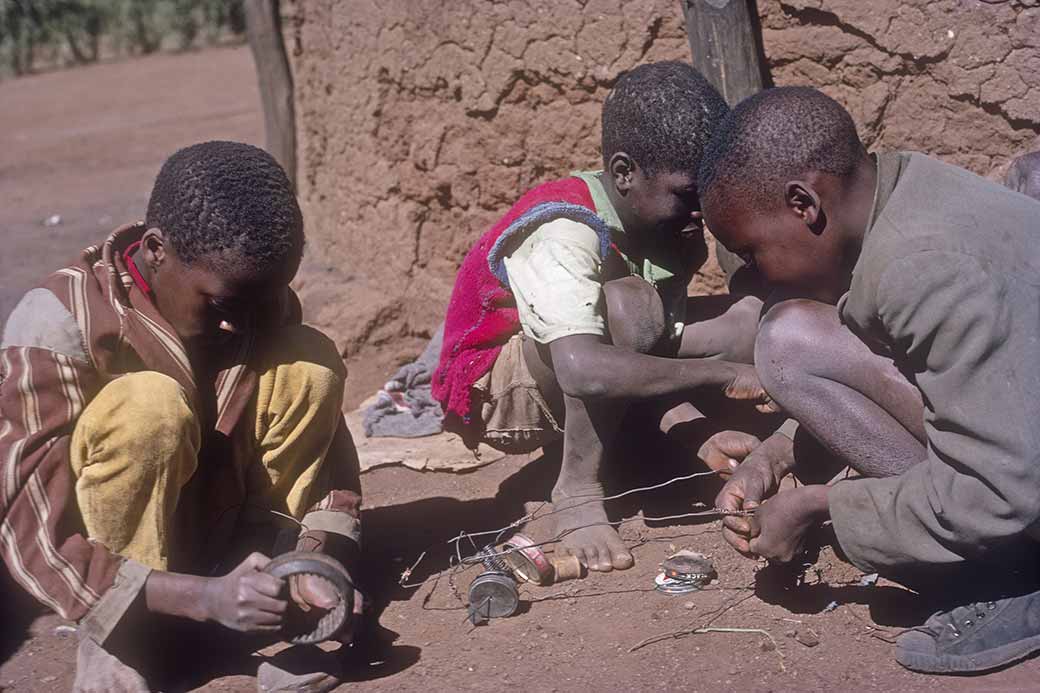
(747, 257)
(230, 316)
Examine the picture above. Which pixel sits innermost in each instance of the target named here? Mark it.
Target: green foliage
(36, 33)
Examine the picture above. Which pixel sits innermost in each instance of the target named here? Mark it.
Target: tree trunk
(77, 53)
(724, 41)
(264, 31)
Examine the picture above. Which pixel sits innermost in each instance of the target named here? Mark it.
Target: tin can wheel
(492, 594)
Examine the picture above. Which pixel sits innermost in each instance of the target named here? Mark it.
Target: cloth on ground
(405, 407)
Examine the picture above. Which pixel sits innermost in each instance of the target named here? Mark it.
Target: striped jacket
(88, 324)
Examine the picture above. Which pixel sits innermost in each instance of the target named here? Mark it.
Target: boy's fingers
(741, 444)
(270, 585)
(754, 526)
(769, 407)
(730, 499)
(266, 618)
(256, 561)
(266, 585)
(318, 592)
(294, 594)
(359, 603)
(269, 605)
(739, 543)
(266, 627)
(736, 523)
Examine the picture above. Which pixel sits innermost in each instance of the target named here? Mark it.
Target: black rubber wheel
(311, 563)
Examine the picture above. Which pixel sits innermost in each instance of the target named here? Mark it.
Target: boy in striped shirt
(159, 403)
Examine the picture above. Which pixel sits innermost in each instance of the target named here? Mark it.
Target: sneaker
(973, 638)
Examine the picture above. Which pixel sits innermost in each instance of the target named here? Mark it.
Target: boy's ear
(621, 169)
(153, 247)
(802, 199)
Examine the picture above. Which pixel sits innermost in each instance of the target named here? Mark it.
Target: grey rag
(405, 407)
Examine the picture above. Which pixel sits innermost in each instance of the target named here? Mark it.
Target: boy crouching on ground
(911, 351)
(574, 305)
(160, 402)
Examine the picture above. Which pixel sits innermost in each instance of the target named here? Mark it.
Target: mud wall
(420, 121)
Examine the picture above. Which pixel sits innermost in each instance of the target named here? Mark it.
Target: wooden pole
(724, 45)
(723, 36)
(264, 32)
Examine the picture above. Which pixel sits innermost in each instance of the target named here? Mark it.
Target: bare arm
(587, 367)
(246, 599)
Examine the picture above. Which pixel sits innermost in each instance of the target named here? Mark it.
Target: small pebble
(790, 633)
(807, 638)
(48, 679)
(687, 605)
(767, 646)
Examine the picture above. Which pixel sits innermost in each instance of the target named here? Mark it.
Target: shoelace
(978, 610)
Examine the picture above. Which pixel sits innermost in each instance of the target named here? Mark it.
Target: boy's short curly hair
(227, 201)
(662, 115)
(774, 136)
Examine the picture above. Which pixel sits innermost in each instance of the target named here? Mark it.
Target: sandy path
(87, 143)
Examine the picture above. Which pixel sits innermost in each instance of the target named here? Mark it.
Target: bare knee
(792, 340)
(635, 314)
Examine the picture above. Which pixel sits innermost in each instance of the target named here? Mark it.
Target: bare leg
(590, 427)
(635, 319)
(855, 403)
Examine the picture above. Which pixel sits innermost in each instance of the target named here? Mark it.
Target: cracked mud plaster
(421, 121)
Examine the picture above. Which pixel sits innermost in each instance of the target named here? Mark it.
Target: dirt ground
(86, 143)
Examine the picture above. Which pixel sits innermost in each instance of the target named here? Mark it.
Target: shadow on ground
(19, 612)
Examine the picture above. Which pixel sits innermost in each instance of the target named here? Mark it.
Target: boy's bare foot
(597, 547)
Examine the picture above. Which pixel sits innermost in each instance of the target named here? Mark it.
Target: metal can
(492, 594)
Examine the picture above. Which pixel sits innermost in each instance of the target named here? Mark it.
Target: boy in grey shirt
(909, 347)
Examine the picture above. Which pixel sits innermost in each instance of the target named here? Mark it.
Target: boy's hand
(778, 527)
(246, 599)
(745, 386)
(725, 450)
(756, 479)
(313, 592)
